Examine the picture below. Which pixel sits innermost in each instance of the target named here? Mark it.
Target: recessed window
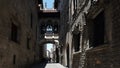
(14, 59)
(74, 8)
(31, 23)
(98, 30)
(75, 4)
(49, 29)
(42, 28)
(55, 29)
(14, 33)
(76, 42)
(28, 43)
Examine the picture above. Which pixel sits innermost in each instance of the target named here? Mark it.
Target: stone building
(72, 21)
(91, 39)
(64, 25)
(18, 30)
(103, 32)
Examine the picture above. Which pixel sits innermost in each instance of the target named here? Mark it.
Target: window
(42, 28)
(28, 43)
(98, 30)
(55, 28)
(14, 33)
(74, 9)
(75, 4)
(31, 23)
(14, 59)
(49, 29)
(76, 42)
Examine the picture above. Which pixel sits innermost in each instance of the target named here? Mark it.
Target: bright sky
(49, 3)
(49, 46)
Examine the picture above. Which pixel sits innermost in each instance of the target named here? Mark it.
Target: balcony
(51, 36)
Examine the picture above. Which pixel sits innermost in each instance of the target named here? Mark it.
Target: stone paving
(47, 65)
(54, 65)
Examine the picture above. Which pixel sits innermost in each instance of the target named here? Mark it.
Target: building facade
(92, 38)
(64, 18)
(103, 23)
(18, 30)
(73, 18)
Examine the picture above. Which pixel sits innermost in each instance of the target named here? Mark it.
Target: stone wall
(99, 58)
(115, 33)
(107, 55)
(76, 60)
(20, 12)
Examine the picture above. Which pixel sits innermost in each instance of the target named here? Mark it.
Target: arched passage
(50, 50)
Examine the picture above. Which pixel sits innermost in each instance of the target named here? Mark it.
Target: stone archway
(43, 45)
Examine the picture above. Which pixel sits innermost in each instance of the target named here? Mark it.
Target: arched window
(49, 28)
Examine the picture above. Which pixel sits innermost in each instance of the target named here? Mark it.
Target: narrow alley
(59, 33)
